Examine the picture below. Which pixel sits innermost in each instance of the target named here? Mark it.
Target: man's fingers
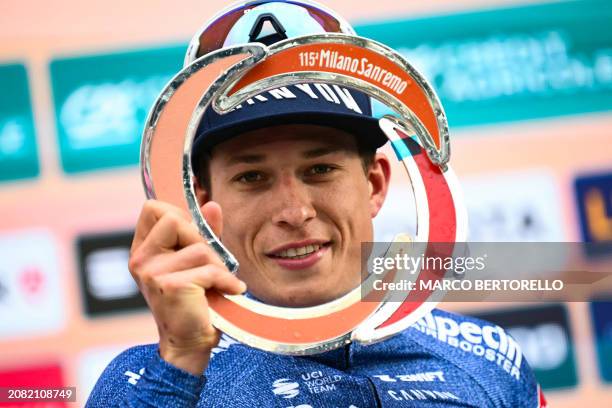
(192, 256)
(214, 217)
(170, 233)
(207, 277)
(152, 211)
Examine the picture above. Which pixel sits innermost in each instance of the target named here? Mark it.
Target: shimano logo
(488, 341)
(285, 388)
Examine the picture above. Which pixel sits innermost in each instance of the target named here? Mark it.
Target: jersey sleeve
(139, 377)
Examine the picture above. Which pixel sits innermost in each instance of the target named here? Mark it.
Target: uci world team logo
(594, 204)
(312, 382)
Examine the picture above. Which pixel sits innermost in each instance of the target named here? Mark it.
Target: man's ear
(379, 177)
(210, 209)
(202, 195)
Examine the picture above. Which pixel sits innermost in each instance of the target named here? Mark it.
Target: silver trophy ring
(226, 78)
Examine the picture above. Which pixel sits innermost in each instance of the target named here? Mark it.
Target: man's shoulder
(129, 364)
(483, 350)
(471, 341)
(122, 373)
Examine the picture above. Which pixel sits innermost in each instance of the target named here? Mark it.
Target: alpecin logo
(489, 342)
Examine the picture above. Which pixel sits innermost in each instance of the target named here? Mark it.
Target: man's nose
(294, 203)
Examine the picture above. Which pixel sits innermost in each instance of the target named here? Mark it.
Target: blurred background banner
(527, 88)
(18, 152)
(602, 310)
(546, 341)
(102, 101)
(502, 65)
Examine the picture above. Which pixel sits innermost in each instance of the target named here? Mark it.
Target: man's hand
(174, 266)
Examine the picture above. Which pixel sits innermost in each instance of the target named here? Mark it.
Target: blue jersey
(443, 360)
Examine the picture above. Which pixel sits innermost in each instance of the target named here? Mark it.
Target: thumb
(214, 217)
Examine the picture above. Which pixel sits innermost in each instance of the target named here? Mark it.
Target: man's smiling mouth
(300, 250)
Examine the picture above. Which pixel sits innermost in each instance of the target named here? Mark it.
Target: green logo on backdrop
(18, 153)
(102, 101)
(511, 64)
(544, 335)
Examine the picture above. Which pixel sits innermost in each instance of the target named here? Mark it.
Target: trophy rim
(216, 96)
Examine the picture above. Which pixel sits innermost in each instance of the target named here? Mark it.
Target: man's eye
(250, 177)
(320, 169)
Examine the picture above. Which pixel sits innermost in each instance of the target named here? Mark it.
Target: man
(291, 181)
(291, 184)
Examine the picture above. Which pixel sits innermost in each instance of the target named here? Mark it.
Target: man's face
(297, 204)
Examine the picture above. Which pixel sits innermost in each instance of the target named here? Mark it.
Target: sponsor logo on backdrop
(504, 66)
(108, 275)
(544, 336)
(12, 137)
(18, 151)
(514, 207)
(508, 207)
(106, 281)
(601, 311)
(109, 113)
(32, 282)
(30, 288)
(517, 63)
(102, 101)
(3, 289)
(594, 204)
(545, 346)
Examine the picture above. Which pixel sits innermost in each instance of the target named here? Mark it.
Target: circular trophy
(418, 132)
